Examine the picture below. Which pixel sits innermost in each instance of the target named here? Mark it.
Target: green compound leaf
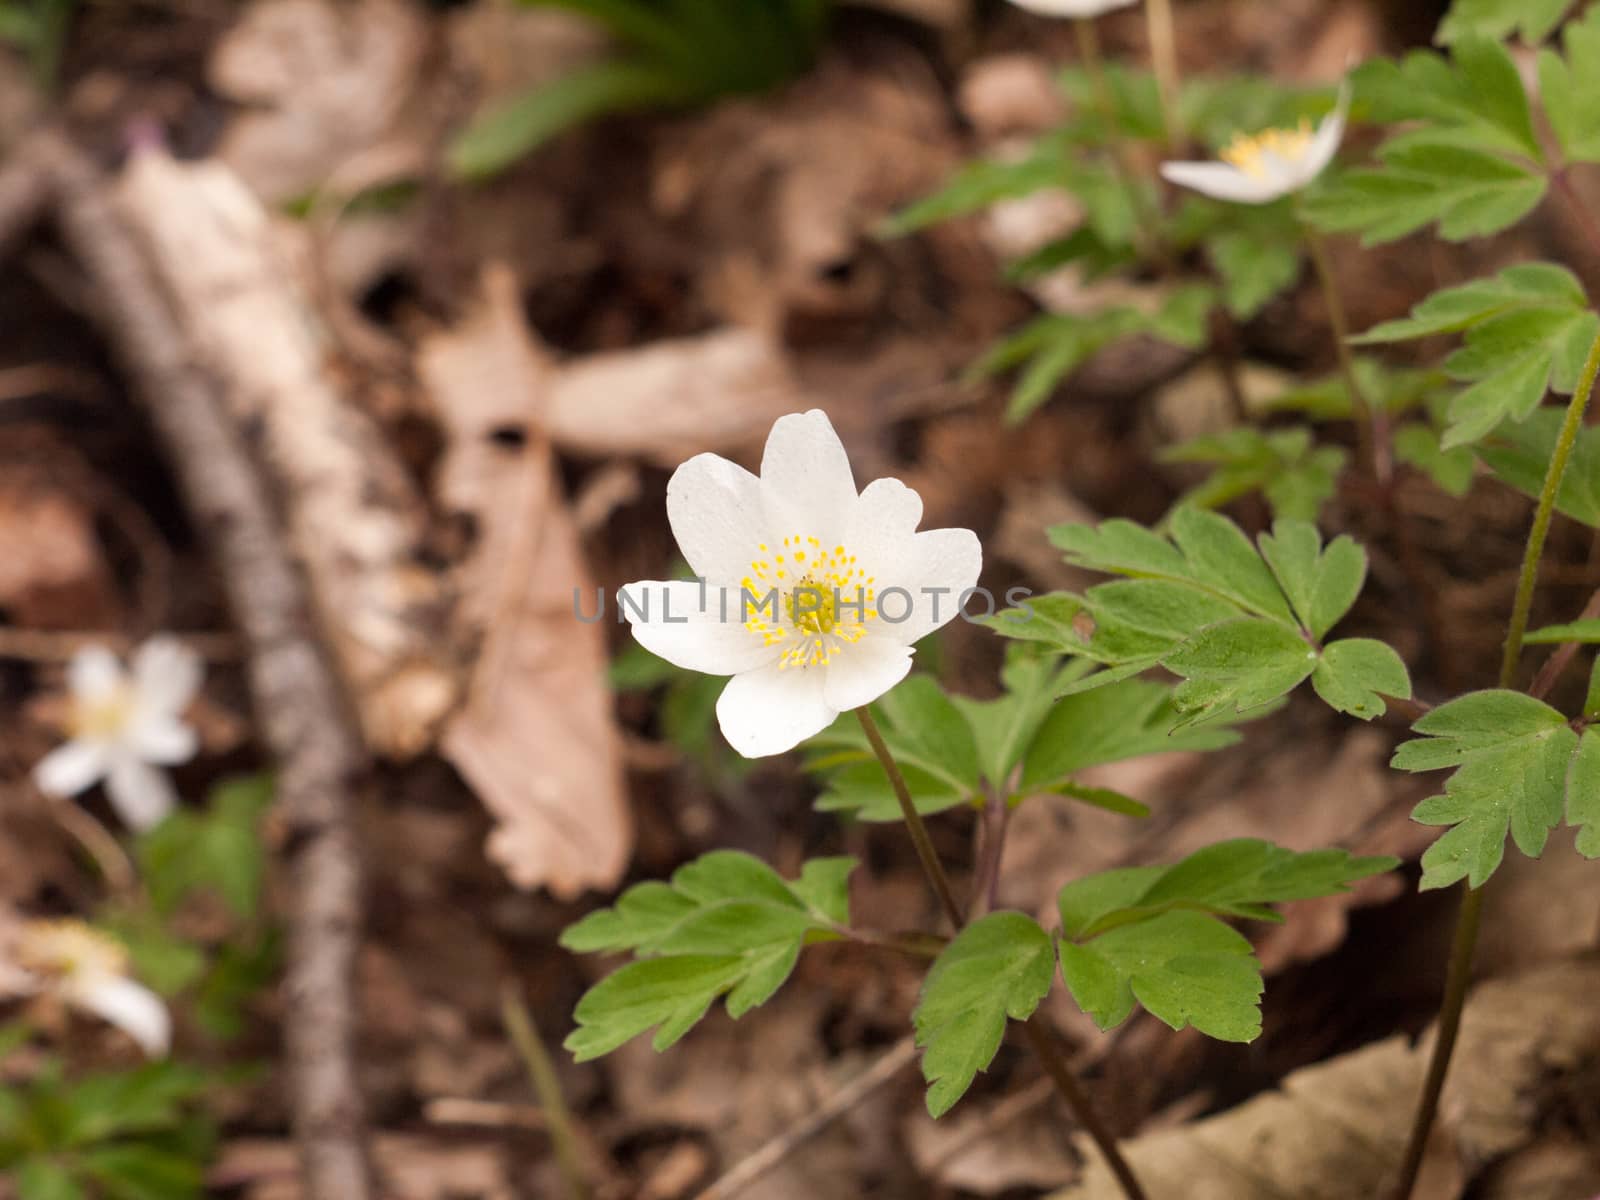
(1253, 267)
(218, 848)
(1526, 331)
(1514, 456)
(1242, 627)
(1586, 631)
(1183, 967)
(726, 924)
(1469, 159)
(1499, 19)
(1419, 446)
(1511, 755)
(998, 967)
(1356, 673)
(1151, 935)
(1583, 787)
(1570, 87)
(930, 739)
(1295, 476)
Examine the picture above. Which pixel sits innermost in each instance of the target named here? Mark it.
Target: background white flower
(89, 971)
(1260, 168)
(124, 725)
(1072, 8)
(844, 583)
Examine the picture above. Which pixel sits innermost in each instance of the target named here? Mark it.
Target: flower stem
(1146, 215)
(1164, 62)
(1060, 1072)
(547, 1086)
(1529, 578)
(915, 826)
(1459, 974)
(1055, 1066)
(1371, 433)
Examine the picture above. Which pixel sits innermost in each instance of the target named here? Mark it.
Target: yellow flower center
(813, 593)
(66, 949)
(1249, 152)
(104, 717)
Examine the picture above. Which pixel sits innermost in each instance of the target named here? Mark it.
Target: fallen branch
(306, 725)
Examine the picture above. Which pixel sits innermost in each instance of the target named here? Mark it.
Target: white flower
(89, 971)
(1072, 8)
(809, 595)
(124, 726)
(1260, 169)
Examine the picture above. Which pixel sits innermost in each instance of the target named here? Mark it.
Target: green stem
(1372, 438)
(918, 830)
(1529, 578)
(547, 1087)
(1054, 1064)
(1459, 975)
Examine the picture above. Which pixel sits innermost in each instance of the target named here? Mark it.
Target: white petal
(714, 507)
(131, 1007)
(71, 768)
(922, 589)
(95, 673)
(141, 794)
(884, 520)
(162, 739)
(770, 710)
(1072, 8)
(1326, 142)
(166, 674)
(805, 478)
(859, 674)
(1221, 181)
(712, 639)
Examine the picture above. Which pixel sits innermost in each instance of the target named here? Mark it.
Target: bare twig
(751, 1168)
(304, 720)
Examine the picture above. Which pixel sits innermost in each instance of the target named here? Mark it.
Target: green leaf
(1356, 673)
(517, 127)
(1419, 446)
(930, 739)
(1295, 477)
(216, 849)
(1586, 631)
(1469, 193)
(977, 186)
(1126, 719)
(1499, 19)
(1242, 664)
(1253, 269)
(42, 1179)
(1526, 331)
(1238, 878)
(162, 959)
(1583, 788)
(1321, 584)
(1569, 85)
(1183, 967)
(1511, 754)
(1003, 728)
(143, 1172)
(727, 924)
(997, 967)
(1476, 95)
(1519, 455)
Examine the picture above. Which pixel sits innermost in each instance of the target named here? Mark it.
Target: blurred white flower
(88, 971)
(1072, 8)
(809, 595)
(1261, 168)
(124, 726)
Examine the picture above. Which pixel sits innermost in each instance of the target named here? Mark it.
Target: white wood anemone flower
(87, 970)
(1083, 9)
(808, 594)
(125, 725)
(1260, 168)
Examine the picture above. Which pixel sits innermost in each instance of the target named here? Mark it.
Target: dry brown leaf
(413, 1168)
(1335, 1131)
(536, 738)
(672, 399)
(53, 574)
(1018, 1142)
(322, 81)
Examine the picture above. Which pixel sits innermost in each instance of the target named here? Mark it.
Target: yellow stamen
(1249, 152)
